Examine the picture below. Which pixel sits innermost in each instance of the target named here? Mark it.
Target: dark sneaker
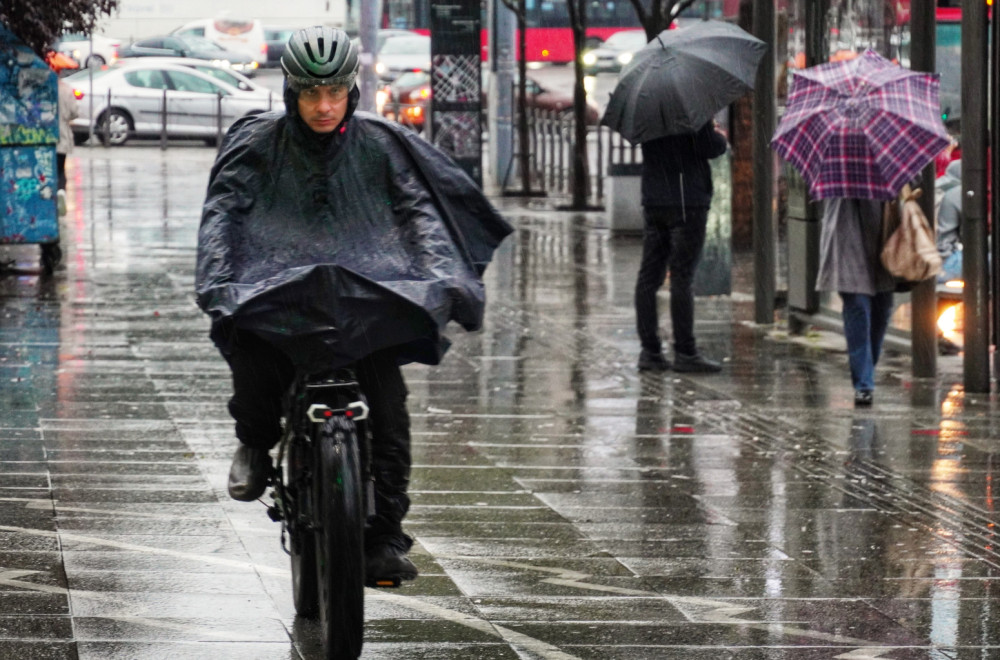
(862, 398)
(249, 473)
(386, 565)
(650, 361)
(696, 363)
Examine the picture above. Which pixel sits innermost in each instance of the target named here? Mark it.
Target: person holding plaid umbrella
(859, 130)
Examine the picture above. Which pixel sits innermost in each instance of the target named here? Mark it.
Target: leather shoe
(386, 564)
(249, 473)
(696, 363)
(862, 398)
(650, 361)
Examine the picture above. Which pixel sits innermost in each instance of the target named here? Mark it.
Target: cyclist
(319, 211)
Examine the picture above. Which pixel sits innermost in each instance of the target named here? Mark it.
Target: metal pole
(501, 98)
(995, 206)
(923, 297)
(106, 133)
(370, 12)
(974, 218)
(218, 120)
(763, 179)
(163, 123)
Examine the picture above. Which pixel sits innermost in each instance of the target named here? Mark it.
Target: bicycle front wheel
(340, 562)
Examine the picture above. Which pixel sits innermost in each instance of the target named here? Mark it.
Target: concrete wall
(136, 19)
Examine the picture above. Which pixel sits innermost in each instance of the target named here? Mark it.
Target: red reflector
(327, 413)
(348, 413)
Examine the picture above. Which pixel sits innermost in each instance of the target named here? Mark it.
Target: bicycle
(323, 492)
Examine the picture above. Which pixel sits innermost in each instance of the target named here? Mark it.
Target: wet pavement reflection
(564, 506)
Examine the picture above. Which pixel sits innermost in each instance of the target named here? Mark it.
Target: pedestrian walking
(849, 264)
(676, 196)
(332, 238)
(68, 111)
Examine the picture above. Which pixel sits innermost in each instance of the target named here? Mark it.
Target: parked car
(137, 91)
(189, 46)
(403, 53)
(277, 39)
(614, 53)
(407, 100)
(218, 71)
(77, 46)
(241, 35)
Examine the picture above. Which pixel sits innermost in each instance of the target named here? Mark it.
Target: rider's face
(323, 107)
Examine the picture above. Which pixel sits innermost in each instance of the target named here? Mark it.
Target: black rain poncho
(334, 248)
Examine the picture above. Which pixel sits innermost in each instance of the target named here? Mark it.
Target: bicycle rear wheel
(340, 559)
(302, 542)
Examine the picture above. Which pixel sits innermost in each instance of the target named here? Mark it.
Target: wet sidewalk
(564, 506)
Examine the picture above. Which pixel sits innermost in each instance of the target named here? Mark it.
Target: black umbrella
(680, 79)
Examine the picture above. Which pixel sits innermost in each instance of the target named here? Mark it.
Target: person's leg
(652, 272)
(687, 232)
(858, 332)
(881, 313)
(61, 171)
(386, 544)
(261, 376)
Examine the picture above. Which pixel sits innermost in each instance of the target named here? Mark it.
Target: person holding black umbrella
(665, 100)
(676, 195)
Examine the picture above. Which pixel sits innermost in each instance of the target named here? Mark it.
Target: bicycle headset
(320, 56)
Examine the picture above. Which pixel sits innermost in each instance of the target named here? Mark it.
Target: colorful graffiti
(29, 97)
(28, 195)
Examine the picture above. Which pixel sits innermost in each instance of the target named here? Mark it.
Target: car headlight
(380, 68)
(624, 58)
(589, 59)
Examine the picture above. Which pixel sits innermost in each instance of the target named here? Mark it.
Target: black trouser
(673, 239)
(262, 375)
(61, 171)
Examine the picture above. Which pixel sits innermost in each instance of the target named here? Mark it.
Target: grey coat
(849, 245)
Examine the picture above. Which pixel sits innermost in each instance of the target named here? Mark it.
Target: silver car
(128, 100)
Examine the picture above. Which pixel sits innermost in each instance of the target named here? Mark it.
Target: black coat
(675, 169)
(332, 249)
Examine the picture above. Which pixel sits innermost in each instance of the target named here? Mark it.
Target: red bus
(549, 38)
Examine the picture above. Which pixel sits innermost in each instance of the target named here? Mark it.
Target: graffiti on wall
(29, 96)
(27, 195)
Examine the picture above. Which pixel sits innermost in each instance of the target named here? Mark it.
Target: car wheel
(115, 127)
(95, 61)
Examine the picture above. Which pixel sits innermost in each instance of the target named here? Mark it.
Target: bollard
(218, 118)
(106, 133)
(163, 123)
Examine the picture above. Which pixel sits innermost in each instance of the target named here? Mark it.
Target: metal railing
(100, 126)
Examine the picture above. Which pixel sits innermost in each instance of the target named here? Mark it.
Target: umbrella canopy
(861, 128)
(680, 79)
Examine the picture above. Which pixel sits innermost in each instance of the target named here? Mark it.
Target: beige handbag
(909, 250)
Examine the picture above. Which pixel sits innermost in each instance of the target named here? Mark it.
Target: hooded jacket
(948, 198)
(332, 246)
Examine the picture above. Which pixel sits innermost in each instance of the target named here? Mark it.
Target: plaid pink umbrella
(860, 128)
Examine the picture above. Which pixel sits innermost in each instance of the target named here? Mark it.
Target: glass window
(148, 78)
(186, 82)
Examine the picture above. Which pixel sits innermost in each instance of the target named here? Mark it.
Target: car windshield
(412, 79)
(630, 40)
(407, 46)
(201, 43)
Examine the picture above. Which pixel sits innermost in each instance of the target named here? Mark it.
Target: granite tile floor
(564, 506)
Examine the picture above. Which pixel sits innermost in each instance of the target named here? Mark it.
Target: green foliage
(40, 22)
